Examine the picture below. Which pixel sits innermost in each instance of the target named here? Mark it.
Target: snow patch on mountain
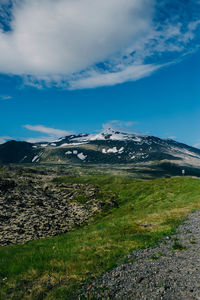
(35, 158)
(184, 153)
(113, 150)
(81, 156)
(68, 152)
(59, 140)
(72, 144)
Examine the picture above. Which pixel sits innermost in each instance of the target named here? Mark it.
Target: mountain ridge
(110, 146)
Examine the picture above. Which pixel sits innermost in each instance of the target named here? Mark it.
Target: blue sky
(144, 76)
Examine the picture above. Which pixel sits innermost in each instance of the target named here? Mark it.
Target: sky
(71, 66)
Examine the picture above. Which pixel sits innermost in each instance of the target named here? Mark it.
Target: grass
(157, 255)
(193, 241)
(177, 246)
(56, 267)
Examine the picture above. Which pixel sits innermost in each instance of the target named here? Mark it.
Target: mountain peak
(106, 134)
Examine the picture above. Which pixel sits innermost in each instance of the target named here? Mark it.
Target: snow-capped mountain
(84, 138)
(107, 147)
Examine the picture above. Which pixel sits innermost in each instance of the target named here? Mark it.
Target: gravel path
(162, 272)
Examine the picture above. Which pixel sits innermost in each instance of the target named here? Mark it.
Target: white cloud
(62, 42)
(67, 36)
(47, 130)
(123, 126)
(119, 123)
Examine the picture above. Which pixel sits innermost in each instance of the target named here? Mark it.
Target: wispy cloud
(97, 79)
(5, 97)
(86, 44)
(123, 126)
(49, 134)
(47, 130)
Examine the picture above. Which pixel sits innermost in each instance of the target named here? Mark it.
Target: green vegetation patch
(56, 267)
(177, 246)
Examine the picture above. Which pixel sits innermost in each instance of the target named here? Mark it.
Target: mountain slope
(16, 152)
(107, 147)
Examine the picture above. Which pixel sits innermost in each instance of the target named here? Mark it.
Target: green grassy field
(57, 267)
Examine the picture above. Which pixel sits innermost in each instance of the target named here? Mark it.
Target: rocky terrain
(168, 271)
(32, 206)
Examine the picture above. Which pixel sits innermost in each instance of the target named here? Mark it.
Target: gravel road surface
(168, 271)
